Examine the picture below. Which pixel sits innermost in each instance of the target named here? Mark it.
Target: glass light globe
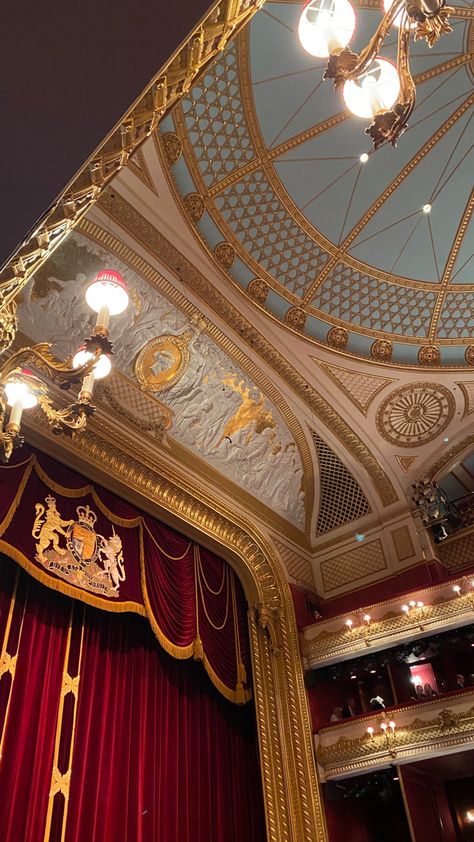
(375, 90)
(102, 367)
(19, 390)
(107, 290)
(325, 26)
(387, 4)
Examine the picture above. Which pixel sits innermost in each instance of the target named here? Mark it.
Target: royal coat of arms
(88, 560)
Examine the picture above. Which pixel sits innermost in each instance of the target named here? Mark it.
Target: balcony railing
(375, 627)
(397, 735)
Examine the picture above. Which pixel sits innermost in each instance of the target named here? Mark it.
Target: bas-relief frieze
(218, 411)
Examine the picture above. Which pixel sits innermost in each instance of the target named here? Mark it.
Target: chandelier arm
(345, 64)
(41, 356)
(72, 418)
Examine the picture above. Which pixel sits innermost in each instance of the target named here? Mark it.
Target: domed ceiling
(267, 162)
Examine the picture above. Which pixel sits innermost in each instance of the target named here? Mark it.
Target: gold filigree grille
(341, 498)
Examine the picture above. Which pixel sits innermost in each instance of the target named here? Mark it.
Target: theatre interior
(236, 423)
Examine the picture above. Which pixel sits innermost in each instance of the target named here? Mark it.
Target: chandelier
(22, 389)
(372, 86)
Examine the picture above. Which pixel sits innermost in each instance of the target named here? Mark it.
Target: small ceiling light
(364, 158)
(326, 27)
(359, 536)
(446, 439)
(470, 816)
(372, 672)
(354, 676)
(415, 679)
(427, 208)
(373, 91)
(395, 778)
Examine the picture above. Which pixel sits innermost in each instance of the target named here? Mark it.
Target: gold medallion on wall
(415, 414)
(163, 361)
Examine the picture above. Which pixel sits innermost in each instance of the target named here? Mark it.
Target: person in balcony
(349, 708)
(428, 691)
(336, 715)
(471, 680)
(377, 703)
(460, 682)
(419, 695)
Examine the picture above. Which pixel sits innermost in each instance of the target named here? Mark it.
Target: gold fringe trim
(18, 465)
(118, 521)
(68, 590)
(198, 650)
(19, 494)
(72, 493)
(230, 694)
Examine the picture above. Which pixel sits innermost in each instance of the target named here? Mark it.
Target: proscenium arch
(292, 797)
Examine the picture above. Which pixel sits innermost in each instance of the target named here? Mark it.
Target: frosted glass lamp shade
(376, 90)
(19, 390)
(107, 290)
(102, 367)
(326, 26)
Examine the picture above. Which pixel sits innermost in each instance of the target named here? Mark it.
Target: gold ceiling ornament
(22, 389)
(295, 317)
(8, 326)
(142, 410)
(469, 352)
(163, 361)
(429, 355)
(219, 25)
(415, 414)
(224, 254)
(195, 206)
(138, 165)
(382, 350)
(258, 290)
(292, 797)
(405, 462)
(371, 86)
(172, 147)
(337, 337)
(361, 388)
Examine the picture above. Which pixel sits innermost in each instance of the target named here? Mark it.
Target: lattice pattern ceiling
(341, 498)
(276, 157)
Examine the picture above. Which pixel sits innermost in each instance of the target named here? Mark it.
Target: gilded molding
(450, 455)
(414, 414)
(388, 630)
(139, 227)
(447, 728)
(292, 800)
(207, 40)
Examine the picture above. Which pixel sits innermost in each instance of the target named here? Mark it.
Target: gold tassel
(240, 696)
(241, 673)
(198, 649)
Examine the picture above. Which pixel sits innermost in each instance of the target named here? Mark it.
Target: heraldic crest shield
(72, 550)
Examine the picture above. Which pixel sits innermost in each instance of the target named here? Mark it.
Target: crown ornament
(87, 516)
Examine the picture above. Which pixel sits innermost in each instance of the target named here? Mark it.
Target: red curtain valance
(92, 545)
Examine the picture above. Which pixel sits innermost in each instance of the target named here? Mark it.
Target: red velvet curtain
(106, 737)
(191, 597)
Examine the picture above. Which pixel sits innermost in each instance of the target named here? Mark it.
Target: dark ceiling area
(68, 72)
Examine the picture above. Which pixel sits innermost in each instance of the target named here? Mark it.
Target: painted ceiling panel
(218, 412)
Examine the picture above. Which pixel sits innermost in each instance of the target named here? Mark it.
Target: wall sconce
(414, 610)
(388, 731)
(470, 816)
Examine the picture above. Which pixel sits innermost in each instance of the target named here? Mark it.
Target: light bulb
(420, 604)
(349, 623)
(427, 209)
(375, 90)
(392, 725)
(367, 618)
(108, 296)
(457, 589)
(326, 26)
(370, 731)
(19, 396)
(364, 158)
(387, 4)
(383, 726)
(19, 390)
(102, 367)
(405, 608)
